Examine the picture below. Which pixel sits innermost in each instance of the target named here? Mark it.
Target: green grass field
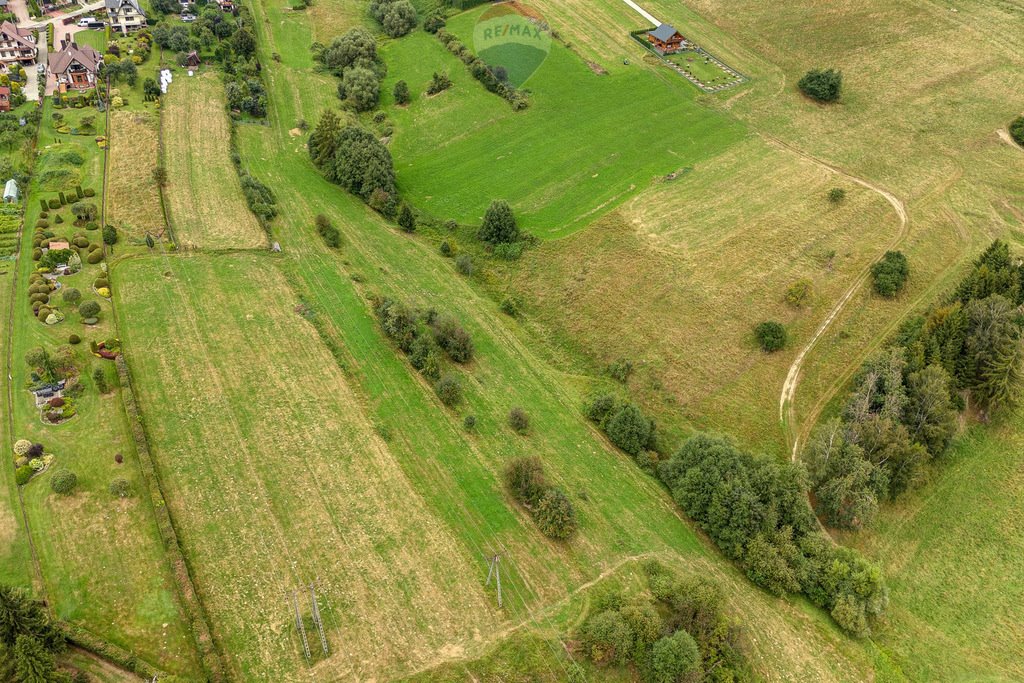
(952, 554)
(629, 130)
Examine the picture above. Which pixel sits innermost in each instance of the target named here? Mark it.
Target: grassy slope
(953, 552)
(198, 166)
(101, 559)
(636, 126)
(456, 474)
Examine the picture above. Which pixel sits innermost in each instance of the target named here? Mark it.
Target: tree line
(906, 402)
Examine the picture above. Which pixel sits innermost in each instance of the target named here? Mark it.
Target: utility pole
(495, 570)
(299, 626)
(316, 617)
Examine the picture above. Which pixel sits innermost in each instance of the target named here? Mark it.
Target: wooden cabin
(666, 39)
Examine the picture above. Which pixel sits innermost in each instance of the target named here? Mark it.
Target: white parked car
(85, 21)
(188, 17)
(40, 68)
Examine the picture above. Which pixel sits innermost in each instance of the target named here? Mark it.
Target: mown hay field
(205, 202)
(133, 196)
(276, 478)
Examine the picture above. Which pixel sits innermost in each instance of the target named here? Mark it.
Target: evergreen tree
(401, 93)
(406, 219)
(322, 141)
(499, 226)
(1001, 377)
(33, 663)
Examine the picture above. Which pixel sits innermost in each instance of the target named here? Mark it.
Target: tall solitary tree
(499, 226)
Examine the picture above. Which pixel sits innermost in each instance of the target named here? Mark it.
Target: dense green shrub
(361, 87)
(434, 22)
(525, 480)
(94, 257)
(71, 296)
(823, 85)
(464, 264)
(624, 423)
(406, 218)
(510, 251)
(771, 336)
(396, 17)
(499, 226)
(100, 283)
(449, 389)
(63, 482)
(555, 515)
(54, 204)
(438, 83)
(42, 224)
(109, 234)
(446, 248)
(890, 274)
(89, 192)
(37, 254)
(836, 195)
(511, 305)
(89, 309)
(355, 159)
(453, 339)
(401, 93)
(672, 659)
(469, 422)
(799, 293)
(99, 379)
(327, 231)
(606, 638)
(23, 474)
(518, 420)
(1017, 130)
(74, 339)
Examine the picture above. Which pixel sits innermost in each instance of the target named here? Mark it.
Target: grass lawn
(205, 203)
(702, 68)
(97, 40)
(628, 129)
(101, 559)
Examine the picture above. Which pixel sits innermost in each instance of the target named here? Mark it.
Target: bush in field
(518, 420)
(121, 488)
(890, 274)
(99, 378)
(470, 422)
(606, 638)
(439, 83)
(464, 264)
(74, 339)
(836, 195)
(823, 85)
(21, 447)
(434, 23)
(94, 257)
(673, 658)
(453, 339)
(63, 482)
(449, 390)
(84, 211)
(71, 296)
(396, 17)
(770, 335)
(401, 93)
(361, 87)
(1017, 130)
(525, 480)
(799, 292)
(406, 219)
(109, 234)
(355, 47)
(555, 515)
(629, 429)
(499, 226)
(353, 158)
(89, 309)
(329, 233)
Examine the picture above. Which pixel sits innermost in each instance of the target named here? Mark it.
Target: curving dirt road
(787, 399)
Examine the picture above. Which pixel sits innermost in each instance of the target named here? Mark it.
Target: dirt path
(644, 13)
(787, 399)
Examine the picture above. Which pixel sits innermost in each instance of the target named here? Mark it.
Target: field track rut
(787, 399)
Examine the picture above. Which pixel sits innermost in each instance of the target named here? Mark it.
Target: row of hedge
(483, 73)
(193, 607)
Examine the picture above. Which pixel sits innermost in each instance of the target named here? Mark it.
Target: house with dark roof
(666, 39)
(75, 67)
(125, 16)
(16, 44)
